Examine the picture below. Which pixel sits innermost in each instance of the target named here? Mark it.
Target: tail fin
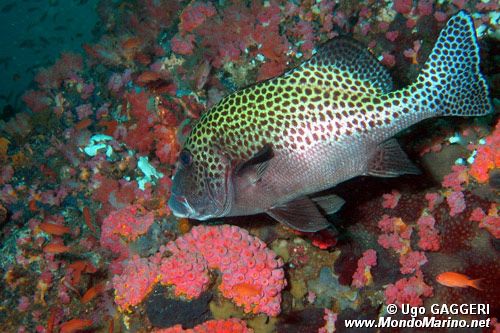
(451, 83)
(476, 284)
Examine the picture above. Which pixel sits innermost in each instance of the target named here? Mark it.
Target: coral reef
(87, 239)
(251, 275)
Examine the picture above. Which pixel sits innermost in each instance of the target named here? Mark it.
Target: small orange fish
(54, 229)
(246, 290)
(87, 217)
(147, 77)
(131, 43)
(457, 280)
(75, 325)
(92, 292)
(82, 124)
(56, 248)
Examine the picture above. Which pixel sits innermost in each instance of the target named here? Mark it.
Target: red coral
(487, 157)
(363, 276)
(324, 239)
(167, 147)
(139, 136)
(408, 291)
(195, 14)
(238, 28)
(126, 224)
(270, 69)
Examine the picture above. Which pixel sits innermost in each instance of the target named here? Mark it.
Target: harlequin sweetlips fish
(270, 146)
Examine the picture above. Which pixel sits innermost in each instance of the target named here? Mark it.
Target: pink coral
(251, 274)
(363, 276)
(411, 261)
(392, 35)
(137, 280)
(65, 68)
(490, 222)
(183, 44)
(330, 318)
(457, 178)
(440, 16)
(424, 7)
(408, 291)
(36, 100)
(456, 202)
(396, 234)
(428, 234)
(403, 6)
(188, 271)
(125, 224)
(233, 325)
(477, 215)
(433, 199)
(84, 110)
(388, 59)
(391, 199)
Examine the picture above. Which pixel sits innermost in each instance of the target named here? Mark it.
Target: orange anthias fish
(54, 229)
(75, 325)
(56, 248)
(457, 280)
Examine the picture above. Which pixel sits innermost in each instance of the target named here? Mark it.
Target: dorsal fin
(353, 68)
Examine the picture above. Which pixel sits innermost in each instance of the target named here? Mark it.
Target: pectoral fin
(301, 214)
(254, 168)
(390, 161)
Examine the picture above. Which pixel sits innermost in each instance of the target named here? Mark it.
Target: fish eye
(185, 158)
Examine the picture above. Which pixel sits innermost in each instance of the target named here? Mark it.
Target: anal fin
(329, 203)
(391, 161)
(301, 214)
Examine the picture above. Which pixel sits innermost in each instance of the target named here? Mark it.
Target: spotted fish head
(202, 186)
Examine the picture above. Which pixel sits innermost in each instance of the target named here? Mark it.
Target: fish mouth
(180, 206)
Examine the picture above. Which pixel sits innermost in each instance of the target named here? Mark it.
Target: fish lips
(180, 206)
